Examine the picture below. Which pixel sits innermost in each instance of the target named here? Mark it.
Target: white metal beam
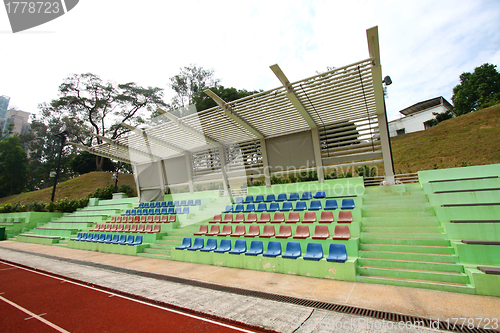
(92, 151)
(154, 139)
(127, 148)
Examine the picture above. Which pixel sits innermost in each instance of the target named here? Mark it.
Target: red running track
(36, 302)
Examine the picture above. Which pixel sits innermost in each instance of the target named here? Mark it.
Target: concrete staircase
(403, 243)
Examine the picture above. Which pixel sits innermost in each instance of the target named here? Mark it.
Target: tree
(203, 101)
(100, 107)
(13, 166)
(439, 117)
(85, 163)
(477, 90)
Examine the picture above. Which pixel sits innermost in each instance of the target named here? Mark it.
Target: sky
(424, 45)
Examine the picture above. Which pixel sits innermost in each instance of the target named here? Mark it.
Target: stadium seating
(341, 232)
(281, 197)
(309, 217)
(240, 246)
(137, 241)
(300, 206)
(227, 218)
(259, 198)
(214, 230)
(287, 206)
(326, 217)
(210, 246)
(337, 253)
(293, 197)
(251, 218)
(306, 196)
(238, 231)
(239, 209)
(249, 208)
(256, 248)
(197, 202)
(301, 232)
(285, 231)
(347, 204)
(203, 230)
(261, 207)
(292, 251)
(267, 232)
(273, 249)
(264, 218)
(320, 195)
(270, 198)
(199, 243)
(321, 232)
(273, 207)
(345, 216)
(278, 218)
(249, 199)
(315, 205)
(293, 217)
(229, 209)
(240, 218)
(331, 204)
(226, 231)
(239, 200)
(253, 231)
(190, 203)
(314, 252)
(224, 246)
(217, 218)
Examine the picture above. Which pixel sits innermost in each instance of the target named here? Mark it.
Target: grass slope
(75, 188)
(471, 139)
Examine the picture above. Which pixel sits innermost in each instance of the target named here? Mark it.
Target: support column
(385, 141)
(265, 162)
(162, 179)
(189, 173)
(136, 178)
(317, 154)
(225, 181)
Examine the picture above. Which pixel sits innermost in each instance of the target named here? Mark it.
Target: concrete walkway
(282, 317)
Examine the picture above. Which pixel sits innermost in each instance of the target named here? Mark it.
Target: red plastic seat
(217, 218)
(253, 231)
(226, 231)
(278, 218)
(96, 228)
(172, 218)
(302, 232)
(239, 231)
(156, 229)
(293, 217)
(326, 217)
(264, 218)
(268, 231)
(130, 219)
(309, 217)
(251, 218)
(102, 227)
(164, 219)
(126, 228)
(227, 218)
(240, 218)
(285, 231)
(321, 232)
(149, 228)
(203, 230)
(137, 219)
(117, 219)
(120, 228)
(345, 216)
(341, 232)
(113, 219)
(214, 230)
(143, 219)
(156, 219)
(149, 219)
(140, 228)
(133, 228)
(108, 227)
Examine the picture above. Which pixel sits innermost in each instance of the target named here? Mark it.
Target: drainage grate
(347, 309)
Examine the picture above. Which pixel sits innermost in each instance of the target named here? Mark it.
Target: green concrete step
(169, 242)
(156, 251)
(162, 246)
(396, 214)
(404, 235)
(407, 248)
(434, 276)
(409, 256)
(405, 219)
(416, 265)
(458, 288)
(402, 229)
(399, 223)
(154, 256)
(400, 241)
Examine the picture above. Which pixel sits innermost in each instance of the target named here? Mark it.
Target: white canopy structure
(330, 119)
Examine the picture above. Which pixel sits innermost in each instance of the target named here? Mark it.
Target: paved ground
(278, 316)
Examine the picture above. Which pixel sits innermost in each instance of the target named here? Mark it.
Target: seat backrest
(327, 216)
(240, 229)
(183, 203)
(211, 243)
(133, 228)
(140, 227)
(279, 217)
(213, 228)
(254, 230)
(217, 217)
(109, 237)
(309, 216)
(282, 197)
(227, 229)
(265, 217)
(268, 230)
(301, 205)
(229, 208)
(250, 208)
(331, 204)
(130, 238)
(141, 204)
(138, 240)
(170, 204)
(176, 203)
(302, 230)
(342, 232)
(186, 241)
(190, 203)
(120, 228)
(345, 216)
(145, 205)
(228, 217)
(171, 210)
(138, 211)
(225, 244)
(199, 242)
(252, 217)
(126, 228)
(285, 230)
(315, 249)
(239, 208)
(249, 199)
(143, 219)
(136, 219)
(240, 244)
(306, 196)
(204, 228)
(293, 217)
(239, 218)
(157, 228)
(96, 237)
(163, 210)
(315, 204)
(274, 247)
(262, 206)
(130, 219)
(274, 206)
(178, 210)
(145, 211)
(348, 204)
(239, 200)
(149, 227)
(123, 238)
(149, 219)
(321, 231)
(197, 202)
(157, 211)
(151, 211)
(116, 237)
(158, 204)
(337, 251)
(259, 198)
(287, 205)
(157, 219)
(185, 210)
(163, 204)
(164, 218)
(320, 194)
(293, 248)
(256, 246)
(270, 198)
(293, 196)
(172, 218)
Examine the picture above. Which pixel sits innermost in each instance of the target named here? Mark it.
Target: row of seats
(144, 219)
(330, 204)
(281, 197)
(157, 211)
(345, 216)
(341, 232)
(113, 227)
(177, 203)
(108, 238)
(314, 251)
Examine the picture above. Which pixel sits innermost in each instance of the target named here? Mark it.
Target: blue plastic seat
(123, 239)
(197, 202)
(262, 207)
(127, 212)
(229, 209)
(211, 245)
(331, 204)
(171, 210)
(78, 237)
(133, 212)
(157, 204)
(238, 209)
(249, 199)
(190, 203)
(170, 204)
(115, 239)
(151, 211)
(130, 240)
(273, 207)
(273, 249)
(163, 211)
(183, 203)
(224, 246)
(256, 248)
(138, 211)
(239, 200)
(292, 250)
(259, 198)
(163, 204)
(293, 197)
(176, 203)
(157, 211)
(320, 195)
(337, 253)
(102, 238)
(84, 237)
(348, 204)
(109, 238)
(287, 206)
(249, 208)
(198, 244)
(186, 242)
(138, 241)
(90, 235)
(185, 210)
(315, 205)
(270, 198)
(145, 211)
(281, 197)
(314, 252)
(145, 205)
(240, 246)
(178, 210)
(306, 196)
(300, 205)
(141, 204)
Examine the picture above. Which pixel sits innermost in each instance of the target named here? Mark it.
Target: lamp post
(62, 136)
(115, 177)
(387, 82)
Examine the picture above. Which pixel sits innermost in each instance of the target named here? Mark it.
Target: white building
(19, 118)
(415, 116)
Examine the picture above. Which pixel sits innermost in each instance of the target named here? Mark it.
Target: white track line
(134, 300)
(46, 322)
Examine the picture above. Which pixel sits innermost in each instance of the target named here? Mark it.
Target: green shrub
(127, 189)
(50, 207)
(36, 206)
